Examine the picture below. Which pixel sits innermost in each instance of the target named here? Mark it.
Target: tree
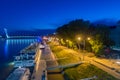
(72, 29)
(100, 34)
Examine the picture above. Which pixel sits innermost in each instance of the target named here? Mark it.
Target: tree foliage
(99, 34)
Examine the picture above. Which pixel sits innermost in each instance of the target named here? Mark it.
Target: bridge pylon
(6, 33)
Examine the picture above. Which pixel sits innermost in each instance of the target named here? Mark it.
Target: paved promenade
(49, 57)
(39, 67)
(39, 71)
(51, 61)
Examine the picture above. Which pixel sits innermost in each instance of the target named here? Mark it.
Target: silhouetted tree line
(99, 36)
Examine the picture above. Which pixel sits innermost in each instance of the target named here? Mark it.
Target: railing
(64, 66)
(17, 37)
(26, 63)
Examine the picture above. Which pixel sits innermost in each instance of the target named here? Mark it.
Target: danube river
(8, 49)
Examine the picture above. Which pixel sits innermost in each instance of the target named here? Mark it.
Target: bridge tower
(6, 33)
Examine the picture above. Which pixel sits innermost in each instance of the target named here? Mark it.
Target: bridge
(17, 37)
(21, 37)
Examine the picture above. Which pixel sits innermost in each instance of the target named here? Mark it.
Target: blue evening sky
(50, 14)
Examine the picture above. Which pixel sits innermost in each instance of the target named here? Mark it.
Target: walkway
(107, 65)
(105, 68)
(49, 57)
(51, 61)
(65, 66)
(104, 64)
(39, 67)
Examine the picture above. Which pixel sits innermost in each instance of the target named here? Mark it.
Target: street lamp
(67, 42)
(84, 45)
(88, 38)
(79, 38)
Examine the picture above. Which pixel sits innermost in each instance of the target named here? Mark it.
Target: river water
(8, 49)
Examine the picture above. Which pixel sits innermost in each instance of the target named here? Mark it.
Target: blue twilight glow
(39, 14)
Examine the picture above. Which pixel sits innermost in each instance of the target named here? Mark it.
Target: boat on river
(28, 56)
(19, 74)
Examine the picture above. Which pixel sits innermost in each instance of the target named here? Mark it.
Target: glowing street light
(88, 38)
(79, 38)
(67, 42)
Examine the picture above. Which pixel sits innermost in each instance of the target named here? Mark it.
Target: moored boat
(19, 74)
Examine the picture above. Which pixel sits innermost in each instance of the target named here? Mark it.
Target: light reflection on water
(8, 49)
(15, 43)
(19, 41)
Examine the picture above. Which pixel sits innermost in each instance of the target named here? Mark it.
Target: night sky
(50, 14)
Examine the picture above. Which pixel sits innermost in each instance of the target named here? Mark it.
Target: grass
(63, 52)
(77, 72)
(86, 71)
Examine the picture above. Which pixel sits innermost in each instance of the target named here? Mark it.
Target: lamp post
(84, 45)
(67, 43)
(79, 38)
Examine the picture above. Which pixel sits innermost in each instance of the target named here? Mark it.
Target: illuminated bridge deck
(22, 37)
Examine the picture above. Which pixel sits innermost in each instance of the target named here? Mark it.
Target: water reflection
(6, 49)
(10, 47)
(14, 45)
(20, 41)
